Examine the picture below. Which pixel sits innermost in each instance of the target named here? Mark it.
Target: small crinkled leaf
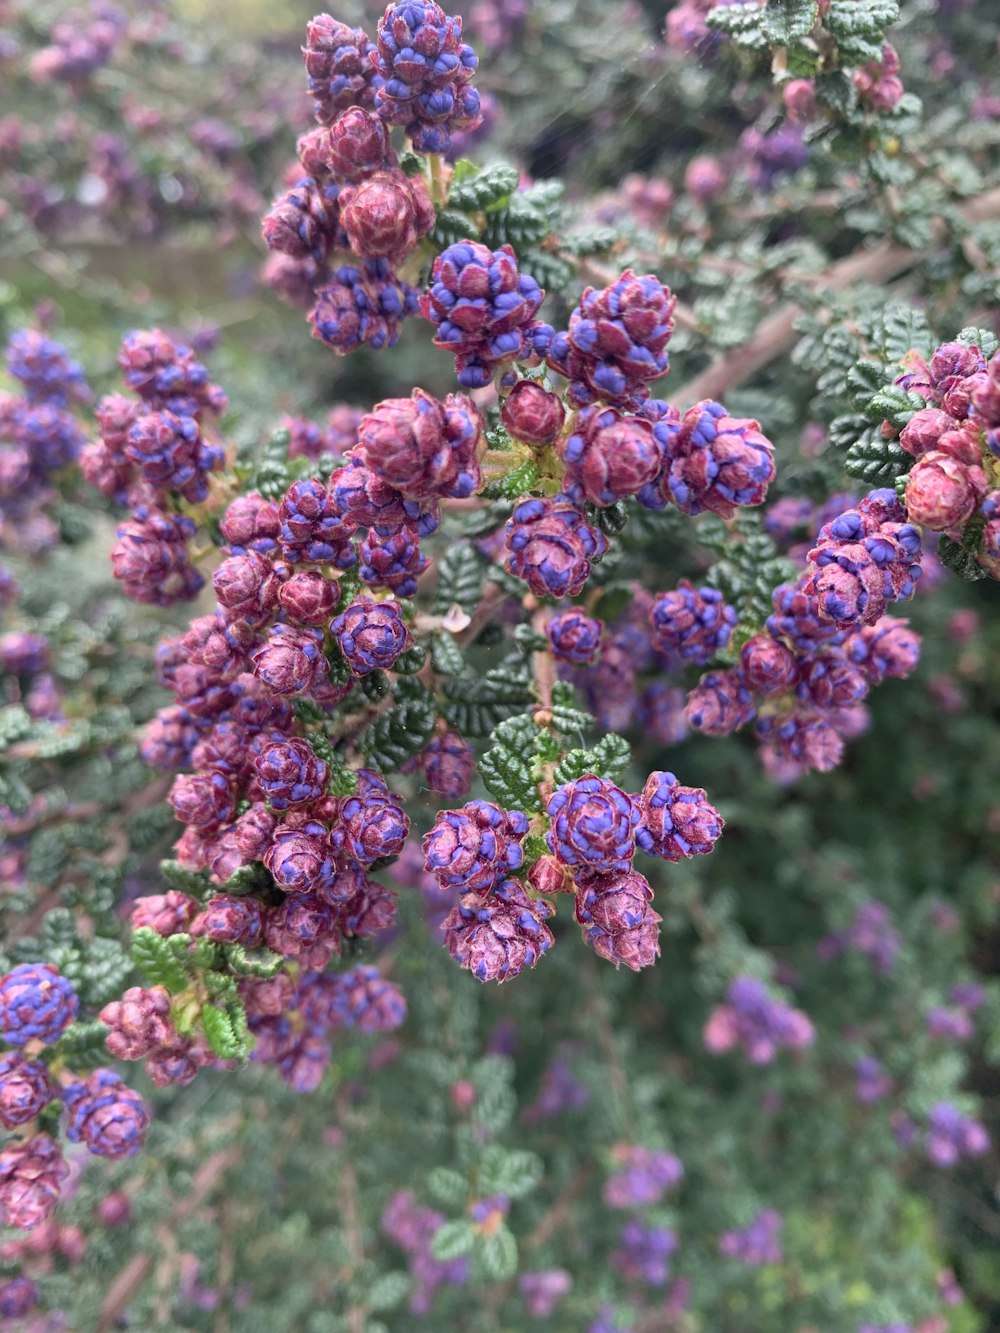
(388, 1290)
(447, 1187)
(452, 1240)
(506, 767)
(876, 460)
(961, 561)
(853, 17)
(743, 23)
(219, 1032)
(516, 483)
(157, 962)
(864, 380)
(489, 187)
(446, 656)
(496, 1255)
(981, 338)
(905, 329)
(511, 1172)
(400, 734)
(786, 20)
(461, 572)
(193, 882)
(84, 1044)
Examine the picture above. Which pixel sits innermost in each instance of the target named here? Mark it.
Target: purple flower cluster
(39, 434)
(806, 676)
(150, 451)
(543, 1291)
(871, 1081)
(642, 1176)
(362, 306)
(349, 193)
(425, 449)
(758, 1243)
(106, 1115)
(483, 309)
(80, 44)
(691, 625)
(425, 70)
(551, 546)
(616, 342)
(292, 1021)
(864, 559)
(757, 1022)
(609, 456)
(37, 1003)
(25, 1089)
(498, 936)
(711, 462)
(871, 933)
(952, 1135)
(574, 637)
(412, 1228)
(31, 1176)
(644, 1253)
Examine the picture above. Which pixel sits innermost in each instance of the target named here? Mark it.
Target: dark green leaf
(460, 579)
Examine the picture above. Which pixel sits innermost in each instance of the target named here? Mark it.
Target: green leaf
(981, 338)
(448, 1187)
(864, 380)
(961, 561)
(474, 705)
(156, 961)
(876, 460)
(259, 963)
(516, 482)
(460, 579)
(84, 1043)
(786, 20)
(847, 18)
(249, 879)
(905, 329)
(513, 1173)
(506, 767)
(219, 1032)
(896, 405)
(497, 1255)
(185, 881)
(452, 1240)
(446, 656)
(489, 188)
(388, 1290)
(452, 227)
(15, 725)
(743, 23)
(401, 733)
(612, 756)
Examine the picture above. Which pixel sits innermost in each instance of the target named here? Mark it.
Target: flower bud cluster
(878, 83)
(37, 1006)
(152, 454)
(956, 442)
(412, 1228)
(758, 1243)
(757, 1022)
(39, 434)
(828, 641)
(593, 831)
(483, 309)
(79, 45)
(351, 194)
(425, 69)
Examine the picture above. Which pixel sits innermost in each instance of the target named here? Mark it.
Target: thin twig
(130, 1278)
